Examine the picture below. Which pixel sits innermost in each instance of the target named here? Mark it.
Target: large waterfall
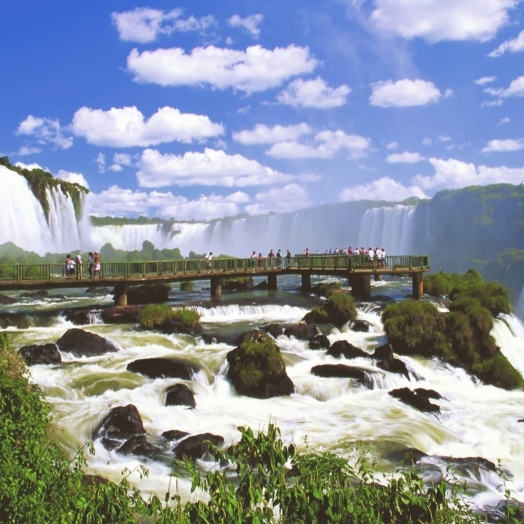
(23, 222)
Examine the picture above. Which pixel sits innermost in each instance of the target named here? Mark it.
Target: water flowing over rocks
(5, 299)
(180, 395)
(418, 399)
(174, 434)
(139, 445)
(120, 424)
(159, 367)
(343, 371)
(84, 344)
(40, 354)
(319, 342)
(301, 331)
(360, 326)
(177, 325)
(275, 330)
(121, 315)
(387, 361)
(196, 446)
(342, 348)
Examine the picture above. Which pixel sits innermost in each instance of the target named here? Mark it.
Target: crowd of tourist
(74, 266)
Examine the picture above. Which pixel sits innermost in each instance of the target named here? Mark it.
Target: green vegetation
(155, 314)
(462, 336)
(40, 180)
(265, 480)
(337, 310)
(146, 254)
(187, 285)
(325, 289)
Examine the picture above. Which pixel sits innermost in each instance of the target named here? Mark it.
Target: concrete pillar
(120, 297)
(216, 287)
(306, 282)
(378, 277)
(272, 281)
(418, 284)
(360, 285)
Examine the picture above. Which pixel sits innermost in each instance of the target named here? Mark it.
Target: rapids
(325, 414)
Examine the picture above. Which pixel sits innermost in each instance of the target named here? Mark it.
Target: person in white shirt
(371, 255)
(209, 258)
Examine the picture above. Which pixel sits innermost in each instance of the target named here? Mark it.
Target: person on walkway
(260, 260)
(371, 255)
(90, 263)
(209, 258)
(288, 258)
(306, 252)
(254, 258)
(279, 258)
(271, 256)
(69, 266)
(78, 265)
(97, 269)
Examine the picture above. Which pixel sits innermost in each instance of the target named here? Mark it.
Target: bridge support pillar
(216, 287)
(272, 281)
(360, 286)
(120, 292)
(306, 282)
(418, 284)
(378, 277)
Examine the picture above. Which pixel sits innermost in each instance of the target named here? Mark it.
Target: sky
(201, 110)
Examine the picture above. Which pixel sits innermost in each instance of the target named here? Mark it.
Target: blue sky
(199, 110)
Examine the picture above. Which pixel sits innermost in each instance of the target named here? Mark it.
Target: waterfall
(519, 308)
(388, 227)
(23, 221)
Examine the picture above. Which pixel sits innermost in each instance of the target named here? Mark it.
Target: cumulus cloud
(484, 80)
(503, 121)
(280, 200)
(255, 69)
(405, 158)
(210, 168)
(325, 144)
(120, 160)
(118, 201)
(454, 174)
(45, 131)
(71, 176)
(516, 45)
(145, 25)
(313, 93)
(30, 167)
(29, 150)
(438, 20)
(384, 188)
(249, 24)
(262, 134)
(404, 93)
(101, 162)
(392, 146)
(504, 145)
(127, 127)
(516, 88)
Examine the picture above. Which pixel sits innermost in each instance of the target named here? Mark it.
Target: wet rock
(248, 336)
(342, 371)
(237, 284)
(177, 325)
(40, 354)
(174, 434)
(121, 315)
(139, 445)
(121, 423)
(180, 395)
(41, 293)
(319, 342)
(499, 513)
(416, 399)
(275, 330)
(148, 294)
(388, 362)
(4, 299)
(360, 326)
(159, 367)
(84, 344)
(301, 331)
(196, 446)
(212, 338)
(342, 348)
(79, 317)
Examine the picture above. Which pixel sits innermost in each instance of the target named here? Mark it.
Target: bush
(155, 314)
(187, 285)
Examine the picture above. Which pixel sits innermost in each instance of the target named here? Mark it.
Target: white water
(475, 420)
(23, 222)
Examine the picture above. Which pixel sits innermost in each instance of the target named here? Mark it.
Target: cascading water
(23, 221)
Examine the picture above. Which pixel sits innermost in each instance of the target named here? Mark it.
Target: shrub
(499, 372)
(187, 285)
(155, 314)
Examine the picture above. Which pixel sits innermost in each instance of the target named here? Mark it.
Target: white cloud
(326, 144)
(211, 168)
(45, 131)
(145, 25)
(444, 138)
(262, 134)
(101, 162)
(313, 93)
(504, 145)
(503, 121)
(249, 23)
(516, 45)
(280, 200)
(427, 142)
(119, 160)
(404, 93)
(28, 150)
(384, 188)
(491, 103)
(30, 167)
(392, 146)
(126, 127)
(405, 158)
(484, 80)
(437, 20)
(118, 201)
(70, 176)
(454, 174)
(255, 69)
(516, 88)
(448, 93)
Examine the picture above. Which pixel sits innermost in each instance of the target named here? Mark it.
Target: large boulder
(41, 293)
(79, 317)
(139, 445)
(257, 369)
(319, 342)
(275, 330)
(121, 315)
(180, 395)
(196, 446)
(84, 344)
(301, 331)
(119, 425)
(342, 348)
(174, 434)
(4, 299)
(160, 367)
(418, 399)
(177, 325)
(387, 361)
(337, 310)
(148, 294)
(44, 354)
(343, 371)
(360, 326)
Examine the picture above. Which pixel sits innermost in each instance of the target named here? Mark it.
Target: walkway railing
(193, 267)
